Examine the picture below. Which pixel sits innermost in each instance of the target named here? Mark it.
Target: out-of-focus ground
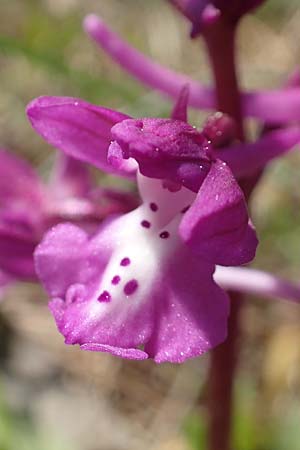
(54, 397)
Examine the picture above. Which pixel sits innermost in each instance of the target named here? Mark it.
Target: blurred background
(54, 397)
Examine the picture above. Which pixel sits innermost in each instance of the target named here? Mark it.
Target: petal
(78, 128)
(246, 159)
(279, 105)
(66, 256)
(79, 314)
(192, 311)
(216, 225)
(151, 291)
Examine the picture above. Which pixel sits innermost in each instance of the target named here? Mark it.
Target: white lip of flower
(140, 253)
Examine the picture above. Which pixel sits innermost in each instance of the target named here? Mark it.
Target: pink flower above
(28, 207)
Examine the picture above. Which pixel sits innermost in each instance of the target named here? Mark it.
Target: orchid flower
(28, 207)
(142, 286)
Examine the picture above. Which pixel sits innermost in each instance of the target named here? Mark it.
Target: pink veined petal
(216, 225)
(245, 159)
(78, 128)
(277, 105)
(257, 282)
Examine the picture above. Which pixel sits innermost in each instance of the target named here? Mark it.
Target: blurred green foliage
(17, 432)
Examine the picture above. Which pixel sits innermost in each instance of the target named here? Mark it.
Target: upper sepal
(78, 128)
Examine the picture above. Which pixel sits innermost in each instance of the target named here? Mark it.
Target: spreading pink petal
(78, 128)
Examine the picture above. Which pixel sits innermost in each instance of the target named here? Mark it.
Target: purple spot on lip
(130, 287)
(116, 280)
(104, 297)
(145, 224)
(125, 262)
(153, 207)
(164, 235)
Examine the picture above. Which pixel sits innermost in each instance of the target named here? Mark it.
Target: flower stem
(221, 381)
(220, 41)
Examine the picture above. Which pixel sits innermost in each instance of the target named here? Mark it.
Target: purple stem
(220, 41)
(220, 382)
